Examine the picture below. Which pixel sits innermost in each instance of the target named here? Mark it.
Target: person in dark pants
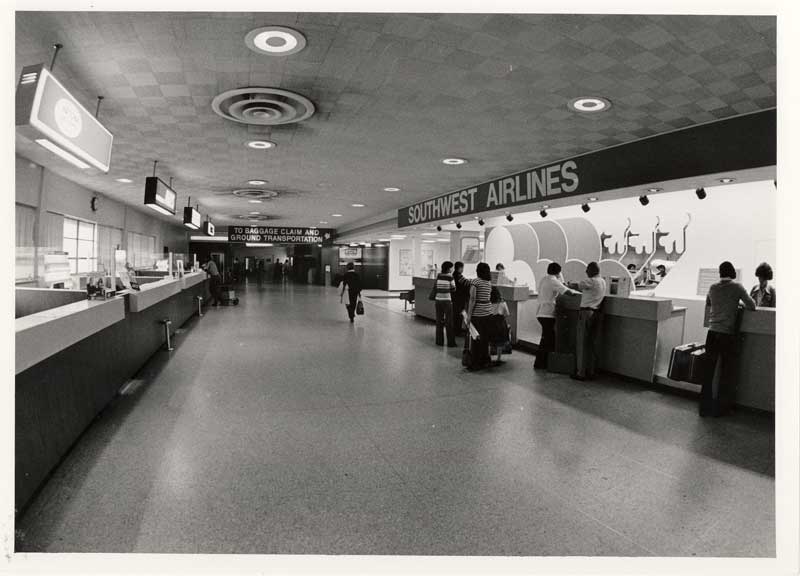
(593, 290)
(445, 287)
(479, 312)
(549, 288)
(460, 297)
(351, 283)
(213, 282)
(718, 394)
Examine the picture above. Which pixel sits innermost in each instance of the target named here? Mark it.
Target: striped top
(483, 295)
(444, 286)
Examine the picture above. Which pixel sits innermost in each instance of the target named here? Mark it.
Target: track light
(458, 225)
(438, 228)
(701, 193)
(644, 200)
(543, 213)
(480, 221)
(509, 217)
(585, 207)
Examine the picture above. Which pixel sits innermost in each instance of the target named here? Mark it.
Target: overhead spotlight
(480, 222)
(727, 180)
(644, 200)
(438, 228)
(701, 193)
(458, 225)
(543, 213)
(509, 217)
(775, 183)
(585, 207)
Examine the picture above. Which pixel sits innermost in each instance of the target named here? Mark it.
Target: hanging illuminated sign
(49, 115)
(191, 218)
(208, 228)
(280, 235)
(159, 196)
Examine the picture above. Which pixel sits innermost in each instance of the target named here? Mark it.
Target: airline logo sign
(560, 179)
(47, 113)
(280, 235)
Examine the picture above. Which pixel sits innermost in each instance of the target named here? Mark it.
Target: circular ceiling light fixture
(256, 182)
(255, 194)
(262, 106)
(275, 40)
(357, 205)
(654, 190)
(323, 221)
(592, 198)
(391, 189)
(261, 144)
(124, 180)
(589, 104)
(727, 180)
(454, 161)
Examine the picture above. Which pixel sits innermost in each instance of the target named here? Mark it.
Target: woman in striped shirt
(479, 312)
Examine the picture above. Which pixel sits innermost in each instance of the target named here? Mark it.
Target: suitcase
(682, 360)
(228, 296)
(699, 370)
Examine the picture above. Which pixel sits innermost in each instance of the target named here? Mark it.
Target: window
(80, 244)
(141, 249)
(108, 238)
(25, 221)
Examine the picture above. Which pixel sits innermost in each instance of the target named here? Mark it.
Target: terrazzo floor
(277, 427)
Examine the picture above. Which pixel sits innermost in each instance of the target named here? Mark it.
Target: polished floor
(277, 427)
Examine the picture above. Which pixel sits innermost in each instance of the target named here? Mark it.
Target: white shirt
(593, 290)
(549, 287)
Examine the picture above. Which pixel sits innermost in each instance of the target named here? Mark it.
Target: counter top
(640, 307)
(40, 335)
(153, 293)
(192, 278)
(509, 293)
(758, 321)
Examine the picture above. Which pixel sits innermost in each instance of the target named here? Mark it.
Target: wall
(65, 197)
(397, 282)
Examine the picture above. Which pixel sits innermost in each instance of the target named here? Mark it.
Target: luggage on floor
(682, 360)
(228, 295)
(561, 362)
(359, 306)
(699, 369)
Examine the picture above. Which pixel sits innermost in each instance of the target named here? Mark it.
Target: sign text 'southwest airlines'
(521, 188)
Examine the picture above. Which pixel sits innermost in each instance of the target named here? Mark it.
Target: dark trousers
(458, 321)
(351, 306)
(548, 342)
(587, 344)
(480, 347)
(719, 387)
(213, 286)
(444, 322)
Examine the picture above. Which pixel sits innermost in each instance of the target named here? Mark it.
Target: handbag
(359, 306)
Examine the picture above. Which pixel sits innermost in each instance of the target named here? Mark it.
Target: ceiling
(394, 95)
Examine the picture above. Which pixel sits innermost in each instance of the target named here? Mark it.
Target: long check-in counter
(71, 361)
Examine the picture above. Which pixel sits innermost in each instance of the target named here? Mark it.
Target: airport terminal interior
(236, 327)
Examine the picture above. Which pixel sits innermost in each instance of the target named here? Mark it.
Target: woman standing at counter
(763, 294)
(549, 288)
(723, 299)
(479, 312)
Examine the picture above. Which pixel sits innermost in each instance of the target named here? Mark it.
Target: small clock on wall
(95, 203)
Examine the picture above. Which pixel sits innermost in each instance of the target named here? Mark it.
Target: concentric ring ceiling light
(261, 144)
(454, 161)
(589, 104)
(275, 41)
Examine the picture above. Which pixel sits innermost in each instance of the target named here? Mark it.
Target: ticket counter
(72, 359)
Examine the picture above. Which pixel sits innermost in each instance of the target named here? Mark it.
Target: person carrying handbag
(352, 284)
(442, 290)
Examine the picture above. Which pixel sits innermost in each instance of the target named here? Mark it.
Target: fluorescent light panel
(258, 244)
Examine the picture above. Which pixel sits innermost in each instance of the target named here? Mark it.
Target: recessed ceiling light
(442, 240)
(124, 180)
(391, 189)
(727, 180)
(589, 104)
(275, 40)
(256, 182)
(255, 212)
(254, 201)
(429, 234)
(384, 240)
(336, 215)
(546, 206)
(323, 221)
(454, 161)
(261, 144)
(357, 205)
(654, 190)
(592, 199)
(429, 241)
